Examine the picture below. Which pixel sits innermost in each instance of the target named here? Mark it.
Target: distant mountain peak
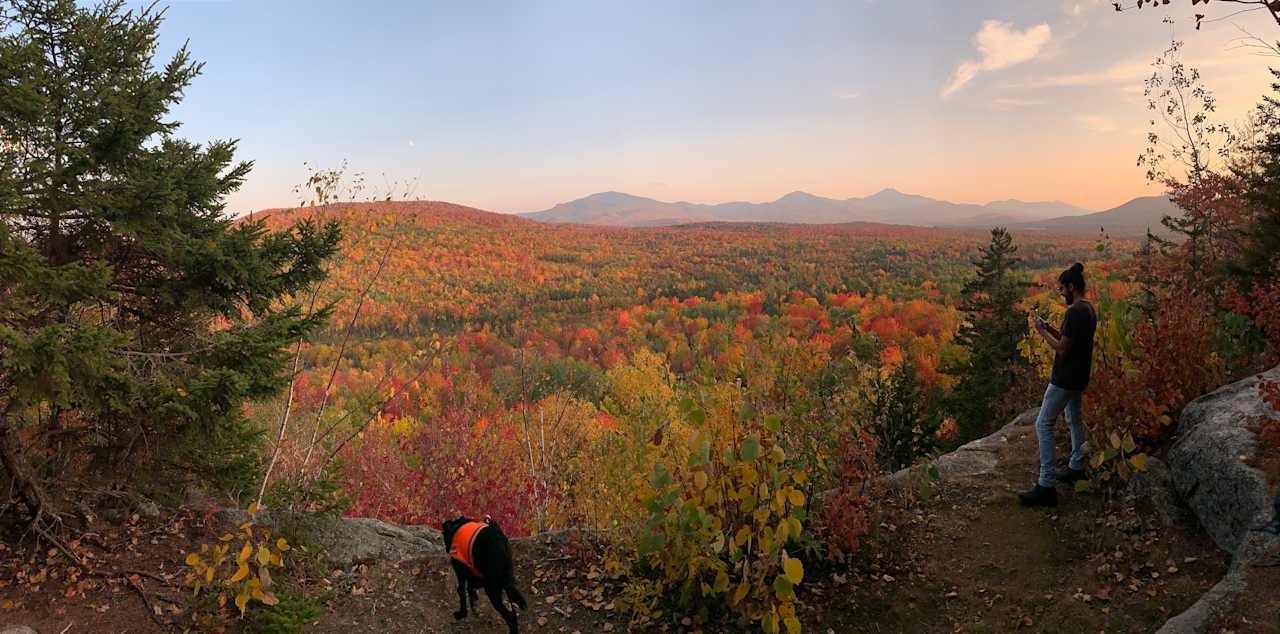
(891, 194)
(613, 195)
(889, 205)
(799, 195)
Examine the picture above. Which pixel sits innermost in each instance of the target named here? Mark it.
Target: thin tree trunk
(355, 432)
(337, 361)
(284, 422)
(15, 462)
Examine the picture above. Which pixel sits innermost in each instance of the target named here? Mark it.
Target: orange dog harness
(463, 540)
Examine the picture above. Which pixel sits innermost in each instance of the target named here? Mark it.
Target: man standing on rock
(1073, 347)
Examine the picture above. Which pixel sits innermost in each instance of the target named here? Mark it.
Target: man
(1073, 347)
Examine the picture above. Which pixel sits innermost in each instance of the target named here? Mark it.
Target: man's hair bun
(1074, 276)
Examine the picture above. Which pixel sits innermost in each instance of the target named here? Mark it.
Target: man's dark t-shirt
(1071, 370)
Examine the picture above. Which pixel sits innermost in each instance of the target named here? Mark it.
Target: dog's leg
(475, 596)
(495, 597)
(514, 595)
(462, 596)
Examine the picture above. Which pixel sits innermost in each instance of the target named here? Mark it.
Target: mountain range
(888, 206)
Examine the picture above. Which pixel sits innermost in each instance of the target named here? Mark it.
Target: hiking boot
(1039, 496)
(1070, 476)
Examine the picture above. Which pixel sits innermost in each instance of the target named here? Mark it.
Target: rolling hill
(1130, 219)
(888, 206)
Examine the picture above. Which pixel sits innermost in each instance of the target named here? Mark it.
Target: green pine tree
(1258, 263)
(903, 413)
(991, 332)
(136, 316)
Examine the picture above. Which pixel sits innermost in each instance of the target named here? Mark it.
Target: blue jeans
(1055, 401)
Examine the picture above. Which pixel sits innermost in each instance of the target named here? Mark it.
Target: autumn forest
(464, 343)
(262, 422)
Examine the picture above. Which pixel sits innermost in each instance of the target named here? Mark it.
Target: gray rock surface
(1210, 607)
(1222, 597)
(352, 540)
(17, 629)
(1153, 488)
(348, 541)
(1208, 461)
(974, 458)
(147, 508)
(1209, 470)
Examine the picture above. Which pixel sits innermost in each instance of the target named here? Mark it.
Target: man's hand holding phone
(1037, 320)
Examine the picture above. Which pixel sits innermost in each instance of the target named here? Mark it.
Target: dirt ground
(1260, 612)
(965, 559)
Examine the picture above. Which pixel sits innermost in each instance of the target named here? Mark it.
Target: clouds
(1097, 123)
(1078, 8)
(1132, 73)
(1017, 102)
(1001, 46)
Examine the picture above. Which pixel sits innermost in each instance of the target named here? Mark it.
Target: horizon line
(1087, 211)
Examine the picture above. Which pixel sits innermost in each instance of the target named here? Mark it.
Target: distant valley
(888, 206)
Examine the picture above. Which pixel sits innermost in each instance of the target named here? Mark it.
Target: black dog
(481, 556)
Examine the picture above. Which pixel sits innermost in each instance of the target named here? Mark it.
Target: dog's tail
(514, 595)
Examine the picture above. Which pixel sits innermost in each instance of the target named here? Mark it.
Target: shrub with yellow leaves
(718, 526)
(238, 567)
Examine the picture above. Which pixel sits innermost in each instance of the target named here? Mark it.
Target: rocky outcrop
(1152, 488)
(1209, 461)
(352, 540)
(975, 458)
(348, 541)
(1210, 470)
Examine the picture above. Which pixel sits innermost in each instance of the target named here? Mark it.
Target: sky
(518, 106)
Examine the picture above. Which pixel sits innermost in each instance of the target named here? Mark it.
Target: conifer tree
(136, 315)
(1254, 268)
(1259, 261)
(991, 332)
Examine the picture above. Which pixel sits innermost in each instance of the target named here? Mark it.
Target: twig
(284, 414)
(151, 610)
(381, 407)
(35, 525)
(124, 573)
(346, 337)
